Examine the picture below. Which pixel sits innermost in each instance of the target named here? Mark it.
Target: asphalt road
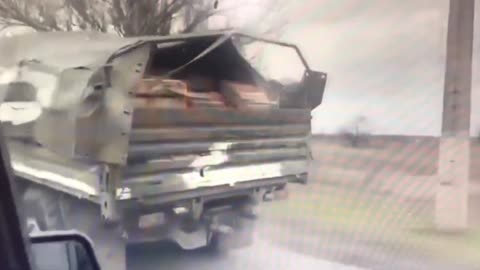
(261, 256)
(294, 244)
(319, 251)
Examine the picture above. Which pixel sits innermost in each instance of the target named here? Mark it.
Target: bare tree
(355, 133)
(125, 17)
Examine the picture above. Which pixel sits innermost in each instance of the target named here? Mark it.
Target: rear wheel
(230, 230)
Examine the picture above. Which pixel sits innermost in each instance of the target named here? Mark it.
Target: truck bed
(161, 119)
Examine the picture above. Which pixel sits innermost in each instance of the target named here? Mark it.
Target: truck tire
(42, 209)
(235, 231)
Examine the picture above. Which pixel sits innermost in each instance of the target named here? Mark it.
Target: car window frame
(14, 242)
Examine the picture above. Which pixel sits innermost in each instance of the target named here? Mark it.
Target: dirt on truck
(135, 140)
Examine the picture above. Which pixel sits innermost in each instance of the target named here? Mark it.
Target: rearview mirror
(62, 250)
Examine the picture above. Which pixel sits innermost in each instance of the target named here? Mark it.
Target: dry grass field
(405, 166)
(374, 204)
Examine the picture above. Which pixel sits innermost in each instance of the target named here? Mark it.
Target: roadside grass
(383, 220)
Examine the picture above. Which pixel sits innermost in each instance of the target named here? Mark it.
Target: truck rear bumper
(214, 192)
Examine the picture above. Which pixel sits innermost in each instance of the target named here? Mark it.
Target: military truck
(135, 140)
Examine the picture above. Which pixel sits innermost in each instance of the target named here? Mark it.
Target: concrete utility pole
(451, 208)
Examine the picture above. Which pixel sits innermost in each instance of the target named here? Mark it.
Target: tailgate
(174, 151)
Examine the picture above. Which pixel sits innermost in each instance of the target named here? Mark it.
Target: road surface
(290, 250)
(261, 256)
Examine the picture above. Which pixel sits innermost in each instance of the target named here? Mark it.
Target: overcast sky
(385, 60)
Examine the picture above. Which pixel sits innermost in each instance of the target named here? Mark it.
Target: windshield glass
(193, 134)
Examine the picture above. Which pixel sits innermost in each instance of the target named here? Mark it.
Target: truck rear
(154, 138)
